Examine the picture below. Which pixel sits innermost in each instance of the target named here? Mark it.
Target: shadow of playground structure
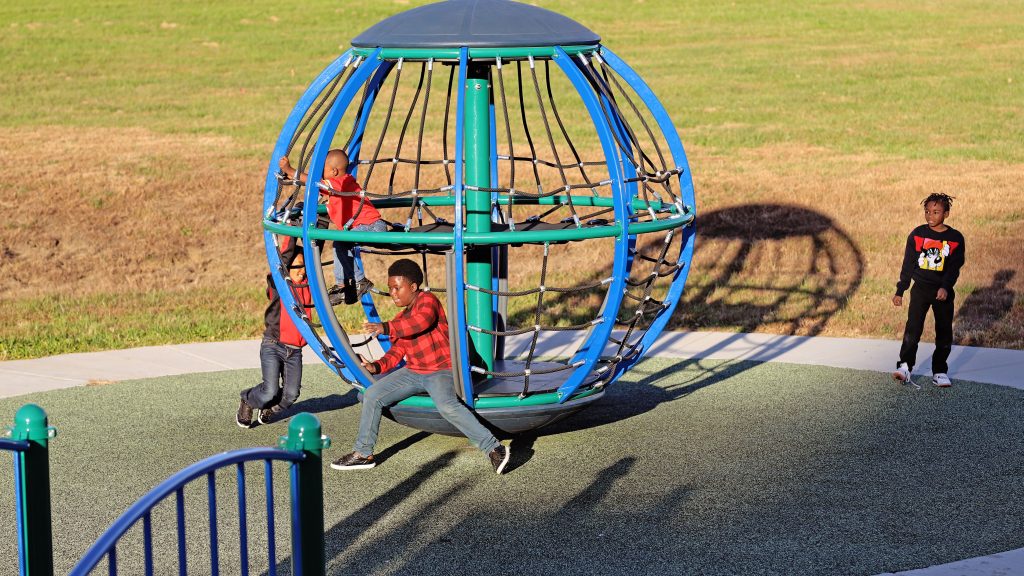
(769, 267)
(760, 267)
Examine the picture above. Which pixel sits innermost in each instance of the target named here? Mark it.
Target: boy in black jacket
(933, 258)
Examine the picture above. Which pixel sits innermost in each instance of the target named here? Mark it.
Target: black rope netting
(536, 134)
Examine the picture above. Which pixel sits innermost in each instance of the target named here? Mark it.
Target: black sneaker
(362, 287)
(272, 414)
(499, 458)
(244, 416)
(347, 293)
(353, 461)
(336, 295)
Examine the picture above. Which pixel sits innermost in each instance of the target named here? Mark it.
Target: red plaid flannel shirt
(420, 335)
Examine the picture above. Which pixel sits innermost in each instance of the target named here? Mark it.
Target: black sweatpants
(921, 299)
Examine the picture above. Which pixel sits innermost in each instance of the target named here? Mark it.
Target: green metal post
(478, 209)
(304, 435)
(30, 423)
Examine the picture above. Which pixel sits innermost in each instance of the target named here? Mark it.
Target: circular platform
(498, 403)
(475, 24)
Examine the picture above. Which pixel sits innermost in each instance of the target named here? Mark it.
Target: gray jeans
(403, 383)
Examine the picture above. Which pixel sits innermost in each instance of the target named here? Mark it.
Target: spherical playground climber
(532, 173)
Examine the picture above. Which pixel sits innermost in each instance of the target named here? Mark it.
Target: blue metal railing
(17, 449)
(302, 449)
(106, 545)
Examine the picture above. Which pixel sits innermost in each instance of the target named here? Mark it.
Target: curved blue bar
(459, 290)
(314, 273)
(594, 345)
(372, 89)
(142, 506)
(687, 242)
(270, 193)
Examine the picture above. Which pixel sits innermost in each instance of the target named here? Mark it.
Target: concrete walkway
(986, 365)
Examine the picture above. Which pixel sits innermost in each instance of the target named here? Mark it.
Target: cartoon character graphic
(932, 254)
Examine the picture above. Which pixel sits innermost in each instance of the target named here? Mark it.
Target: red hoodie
(342, 208)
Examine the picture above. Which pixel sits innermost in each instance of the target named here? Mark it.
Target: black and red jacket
(279, 326)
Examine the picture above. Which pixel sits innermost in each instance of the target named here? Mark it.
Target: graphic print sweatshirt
(931, 259)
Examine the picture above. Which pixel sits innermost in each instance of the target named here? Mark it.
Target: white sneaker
(902, 373)
(941, 380)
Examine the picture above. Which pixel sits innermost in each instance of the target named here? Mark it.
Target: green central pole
(478, 210)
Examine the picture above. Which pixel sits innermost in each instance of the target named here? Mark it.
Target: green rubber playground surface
(684, 468)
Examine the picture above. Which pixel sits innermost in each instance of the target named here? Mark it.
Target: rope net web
(549, 172)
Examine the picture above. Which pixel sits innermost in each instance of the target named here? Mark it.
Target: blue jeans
(279, 363)
(403, 383)
(345, 258)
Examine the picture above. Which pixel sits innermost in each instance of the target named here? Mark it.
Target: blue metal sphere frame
(590, 351)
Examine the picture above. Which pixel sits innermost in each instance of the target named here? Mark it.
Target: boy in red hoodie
(348, 210)
(280, 351)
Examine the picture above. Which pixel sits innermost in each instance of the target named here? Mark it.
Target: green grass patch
(36, 327)
(936, 81)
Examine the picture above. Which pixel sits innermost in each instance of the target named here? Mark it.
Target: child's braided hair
(945, 199)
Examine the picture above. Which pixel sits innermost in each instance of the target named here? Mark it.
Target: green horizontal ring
(485, 402)
(478, 238)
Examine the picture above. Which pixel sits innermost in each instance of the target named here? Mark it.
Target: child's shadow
(983, 309)
(325, 403)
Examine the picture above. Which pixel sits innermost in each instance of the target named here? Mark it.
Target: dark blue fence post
(308, 555)
(30, 424)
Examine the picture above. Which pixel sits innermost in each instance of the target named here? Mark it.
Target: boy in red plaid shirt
(419, 334)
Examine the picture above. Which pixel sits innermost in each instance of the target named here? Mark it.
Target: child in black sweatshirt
(933, 258)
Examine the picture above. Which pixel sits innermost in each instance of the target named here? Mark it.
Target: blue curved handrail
(328, 128)
(458, 291)
(590, 351)
(270, 195)
(108, 540)
(687, 241)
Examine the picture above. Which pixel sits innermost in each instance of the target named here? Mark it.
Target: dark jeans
(921, 299)
(282, 374)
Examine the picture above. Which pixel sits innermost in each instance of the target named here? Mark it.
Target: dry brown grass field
(792, 239)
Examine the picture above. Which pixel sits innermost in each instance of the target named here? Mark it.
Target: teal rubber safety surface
(686, 467)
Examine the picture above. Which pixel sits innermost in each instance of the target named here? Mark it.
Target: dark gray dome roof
(476, 24)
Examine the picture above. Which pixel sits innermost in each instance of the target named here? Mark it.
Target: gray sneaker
(272, 414)
(941, 380)
(353, 461)
(499, 458)
(363, 287)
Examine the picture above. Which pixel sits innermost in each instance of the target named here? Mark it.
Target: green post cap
(304, 434)
(30, 423)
